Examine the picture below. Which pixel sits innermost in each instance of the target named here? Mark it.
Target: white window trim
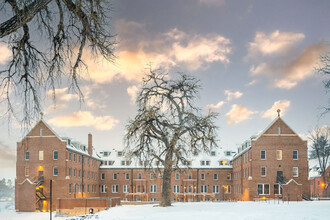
(297, 154)
(202, 176)
(204, 189)
(153, 188)
(217, 189)
(152, 176)
(265, 155)
(277, 154)
(115, 188)
(115, 175)
(41, 155)
(263, 188)
(54, 170)
(126, 176)
(293, 172)
(279, 189)
(25, 171)
(127, 188)
(215, 174)
(177, 175)
(25, 155)
(102, 176)
(261, 171)
(54, 155)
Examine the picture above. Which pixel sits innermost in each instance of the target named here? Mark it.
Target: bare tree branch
(168, 127)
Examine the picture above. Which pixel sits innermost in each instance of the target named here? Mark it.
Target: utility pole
(51, 198)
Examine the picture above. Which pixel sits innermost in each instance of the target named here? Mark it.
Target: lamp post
(51, 197)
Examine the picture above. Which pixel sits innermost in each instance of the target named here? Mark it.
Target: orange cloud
(275, 42)
(238, 114)
(84, 118)
(233, 95)
(213, 107)
(271, 113)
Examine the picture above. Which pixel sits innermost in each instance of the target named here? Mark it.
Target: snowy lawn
(200, 211)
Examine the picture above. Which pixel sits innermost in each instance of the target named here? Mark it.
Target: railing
(280, 180)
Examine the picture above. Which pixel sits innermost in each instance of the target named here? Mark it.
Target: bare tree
(324, 69)
(168, 128)
(321, 151)
(65, 29)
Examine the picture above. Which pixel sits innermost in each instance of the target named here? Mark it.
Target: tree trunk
(166, 193)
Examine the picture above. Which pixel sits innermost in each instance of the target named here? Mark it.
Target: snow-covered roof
(314, 168)
(115, 159)
(77, 147)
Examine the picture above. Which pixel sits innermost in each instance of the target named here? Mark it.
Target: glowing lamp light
(322, 184)
(41, 168)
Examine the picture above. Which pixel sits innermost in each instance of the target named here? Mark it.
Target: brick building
(317, 184)
(273, 164)
(43, 156)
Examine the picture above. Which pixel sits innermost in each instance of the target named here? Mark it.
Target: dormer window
(120, 153)
(213, 153)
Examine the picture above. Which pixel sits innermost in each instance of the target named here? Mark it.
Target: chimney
(90, 144)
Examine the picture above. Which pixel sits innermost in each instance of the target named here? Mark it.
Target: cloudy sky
(252, 57)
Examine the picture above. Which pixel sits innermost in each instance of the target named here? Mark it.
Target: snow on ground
(199, 211)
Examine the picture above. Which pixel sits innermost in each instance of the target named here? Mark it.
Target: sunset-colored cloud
(289, 74)
(232, 95)
(139, 48)
(238, 114)
(275, 42)
(212, 107)
(84, 118)
(271, 113)
(5, 53)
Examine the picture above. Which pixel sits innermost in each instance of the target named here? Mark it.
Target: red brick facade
(269, 161)
(76, 173)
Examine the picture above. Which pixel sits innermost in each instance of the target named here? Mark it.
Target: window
(70, 171)
(263, 155)
(102, 176)
(227, 189)
(127, 176)
(114, 176)
(177, 176)
(103, 188)
(228, 176)
(279, 130)
(295, 155)
(75, 172)
(215, 189)
(189, 176)
(203, 188)
(202, 162)
(228, 153)
(277, 189)
(207, 163)
(202, 176)
(215, 176)
(55, 155)
(40, 132)
(263, 189)
(295, 172)
(120, 153)
(152, 176)
(79, 173)
(27, 155)
(88, 188)
(41, 155)
(263, 171)
(213, 153)
(114, 188)
(127, 163)
(125, 188)
(79, 159)
(176, 189)
(279, 154)
(70, 188)
(27, 171)
(70, 156)
(139, 176)
(153, 188)
(75, 157)
(55, 171)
